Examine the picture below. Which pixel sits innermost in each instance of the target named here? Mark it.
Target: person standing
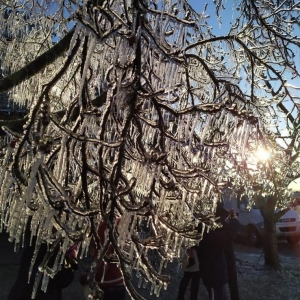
(23, 286)
(107, 274)
(212, 259)
(213, 269)
(191, 275)
(231, 225)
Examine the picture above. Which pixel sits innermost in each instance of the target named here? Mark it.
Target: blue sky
(198, 6)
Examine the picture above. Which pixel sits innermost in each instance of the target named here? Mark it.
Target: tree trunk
(270, 238)
(270, 241)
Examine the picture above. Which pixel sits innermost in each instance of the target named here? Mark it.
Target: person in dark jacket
(216, 256)
(191, 274)
(231, 225)
(22, 289)
(212, 263)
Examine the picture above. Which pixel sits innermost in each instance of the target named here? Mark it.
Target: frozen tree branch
(36, 65)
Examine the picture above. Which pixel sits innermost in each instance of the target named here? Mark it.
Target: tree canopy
(139, 111)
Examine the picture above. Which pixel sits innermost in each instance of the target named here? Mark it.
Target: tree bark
(270, 242)
(270, 237)
(16, 126)
(37, 64)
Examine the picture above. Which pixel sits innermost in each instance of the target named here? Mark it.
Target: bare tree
(284, 148)
(135, 113)
(276, 22)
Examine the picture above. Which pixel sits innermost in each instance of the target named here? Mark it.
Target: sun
(262, 154)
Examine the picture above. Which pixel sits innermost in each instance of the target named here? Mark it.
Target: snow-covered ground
(256, 282)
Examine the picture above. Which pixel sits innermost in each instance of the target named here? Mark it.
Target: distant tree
(135, 112)
(284, 148)
(269, 181)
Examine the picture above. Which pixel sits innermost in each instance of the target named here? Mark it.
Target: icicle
(161, 265)
(205, 129)
(152, 288)
(183, 199)
(194, 200)
(192, 131)
(240, 134)
(187, 129)
(20, 232)
(36, 284)
(36, 220)
(167, 239)
(74, 38)
(183, 40)
(175, 245)
(140, 281)
(157, 289)
(204, 188)
(246, 136)
(104, 268)
(145, 283)
(32, 177)
(59, 171)
(45, 283)
(91, 47)
(179, 246)
(5, 191)
(35, 254)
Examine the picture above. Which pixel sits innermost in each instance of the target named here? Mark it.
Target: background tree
(283, 147)
(134, 113)
(277, 108)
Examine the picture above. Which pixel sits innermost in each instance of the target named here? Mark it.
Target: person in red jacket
(107, 274)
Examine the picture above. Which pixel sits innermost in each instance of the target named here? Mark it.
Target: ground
(256, 282)
(262, 283)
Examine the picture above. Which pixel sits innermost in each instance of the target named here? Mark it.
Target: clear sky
(198, 6)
